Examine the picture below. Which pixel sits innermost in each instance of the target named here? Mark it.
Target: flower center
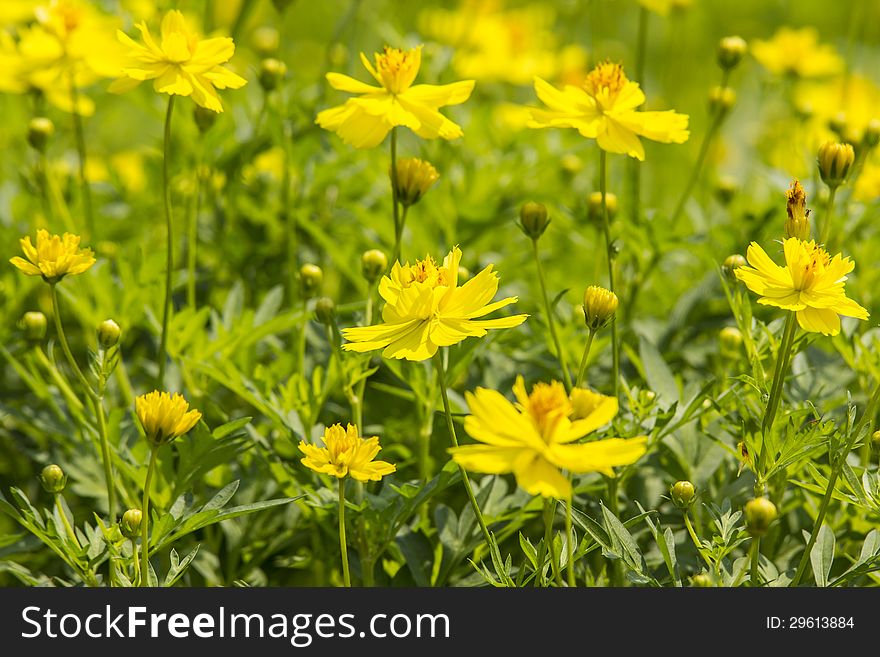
(814, 265)
(548, 403)
(607, 79)
(426, 272)
(397, 68)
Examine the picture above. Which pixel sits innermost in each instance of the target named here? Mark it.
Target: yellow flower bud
(108, 333)
(571, 164)
(165, 417)
(53, 479)
(272, 72)
(798, 222)
(594, 206)
(731, 50)
(325, 310)
(373, 264)
(701, 581)
(731, 262)
(683, 494)
(34, 325)
(265, 41)
(40, 130)
(835, 160)
(414, 179)
(130, 525)
(731, 340)
(760, 514)
(533, 219)
(310, 279)
(599, 307)
(721, 100)
(875, 439)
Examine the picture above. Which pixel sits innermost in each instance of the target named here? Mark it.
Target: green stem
(755, 577)
(549, 515)
(346, 576)
(782, 360)
(81, 152)
(169, 264)
(65, 347)
(398, 229)
(695, 540)
(134, 560)
(192, 240)
(59, 380)
(829, 213)
(64, 521)
(551, 322)
(569, 543)
(145, 520)
(105, 455)
(450, 425)
(837, 468)
(398, 233)
(635, 169)
(582, 370)
(606, 229)
(698, 166)
(358, 405)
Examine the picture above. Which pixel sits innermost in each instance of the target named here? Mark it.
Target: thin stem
(169, 263)
(65, 347)
(569, 544)
(105, 455)
(755, 577)
(346, 576)
(81, 152)
(635, 170)
(837, 468)
(64, 521)
(289, 216)
(358, 404)
(549, 514)
(829, 213)
(398, 230)
(192, 240)
(450, 425)
(398, 233)
(606, 229)
(698, 166)
(145, 521)
(134, 560)
(695, 540)
(56, 377)
(582, 370)
(782, 359)
(551, 322)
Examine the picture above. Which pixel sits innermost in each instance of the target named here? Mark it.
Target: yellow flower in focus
(180, 64)
(54, 256)
(345, 454)
(533, 438)
(165, 417)
(425, 309)
(364, 121)
(811, 284)
(604, 109)
(797, 53)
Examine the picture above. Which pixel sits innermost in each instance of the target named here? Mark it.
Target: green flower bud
(701, 581)
(731, 50)
(108, 333)
(683, 494)
(34, 325)
(731, 262)
(533, 219)
(310, 279)
(265, 41)
(272, 72)
(760, 514)
(130, 526)
(838, 124)
(374, 263)
(835, 160)
(731, 340)
(721, 100)
(40, 130)
(414, 179)
(875, 439)
(325, 310)
(594, 206)
(53, 479)
(871, 136)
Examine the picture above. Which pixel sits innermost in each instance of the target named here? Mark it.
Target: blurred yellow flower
(850, 102)
(346, 454)
(798, 53)
(364, 121)
(867, 187)
(181, 64)
(426, 309)
(532, 438)
(604, 109)
(165, 417)
(811, 284)
(664, 7)
(54, 256)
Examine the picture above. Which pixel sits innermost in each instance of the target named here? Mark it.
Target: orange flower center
(396, 68)
(425, 271)
(606, 78)
(548, 403)
(815, 266)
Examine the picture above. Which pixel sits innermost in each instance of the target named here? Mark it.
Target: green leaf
(822, 555)
(658, 375)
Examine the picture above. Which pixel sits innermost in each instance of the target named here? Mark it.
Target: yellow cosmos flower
(364, 121)
(165, 417)
(811, 284)
(181, 64)
(426, 309)
(54, 256)
(797, 53)
(604, 109)
(346, 454)
(533, 438)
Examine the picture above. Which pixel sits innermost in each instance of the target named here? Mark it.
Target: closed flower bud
(701, 581)
(721, 100)
(599, 307)
(463, 274)
(374, 263)
(40, 130)
(310, 279)
(594, 206)
(875, 439)
(838, 124)
(130, 526)
(797, 224)
(204, 118)
(108, 333)
(731, 50)
(265, 41)
(835, 160)
(731, 340)
(731, 262)
(760, 514)
(272, 72)
(325, 310)
(571, 164)
(533, 219)
(414, 179)
(725, 189)
(871, 136)
(683, 494)
(34, 325)
(53, 479)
